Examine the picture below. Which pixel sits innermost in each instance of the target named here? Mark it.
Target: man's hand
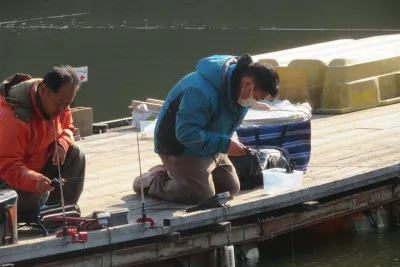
(43, 185)
(235, 148)
(61, 154)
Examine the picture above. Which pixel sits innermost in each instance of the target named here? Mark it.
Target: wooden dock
(349, 151)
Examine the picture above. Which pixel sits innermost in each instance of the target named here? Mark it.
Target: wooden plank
(325, 122)
(390, 162)
(336, 124)
(353, 157)
(365, 138)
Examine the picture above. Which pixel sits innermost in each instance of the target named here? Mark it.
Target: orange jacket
(25, 142)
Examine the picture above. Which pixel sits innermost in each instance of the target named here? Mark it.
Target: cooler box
(285, 125)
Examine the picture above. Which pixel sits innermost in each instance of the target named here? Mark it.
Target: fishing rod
(144, 214)
(141, 178)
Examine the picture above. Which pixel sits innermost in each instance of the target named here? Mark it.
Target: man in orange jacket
(36, 134)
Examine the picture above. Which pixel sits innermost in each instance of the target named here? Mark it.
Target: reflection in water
(366, 250)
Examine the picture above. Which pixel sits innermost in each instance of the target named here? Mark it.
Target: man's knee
(75, 162)
(234, 187)
(203, 195)
(76, 152)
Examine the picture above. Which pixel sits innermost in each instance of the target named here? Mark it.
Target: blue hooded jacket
(200, 113)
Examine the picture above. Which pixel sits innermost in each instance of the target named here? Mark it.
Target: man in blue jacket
(195, 126)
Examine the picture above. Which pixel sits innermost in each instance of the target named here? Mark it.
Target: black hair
(59, 76)
(265, 76)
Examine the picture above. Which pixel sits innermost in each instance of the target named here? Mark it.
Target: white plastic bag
(142, 113)
(148, 130)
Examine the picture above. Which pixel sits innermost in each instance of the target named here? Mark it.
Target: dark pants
(73, 171)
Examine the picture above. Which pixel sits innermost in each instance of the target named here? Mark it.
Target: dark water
(357, 250)
(137, 49)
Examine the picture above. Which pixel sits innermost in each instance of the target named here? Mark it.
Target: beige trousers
(191, 179)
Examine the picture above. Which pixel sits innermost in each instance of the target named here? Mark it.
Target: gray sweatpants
(191, 179)
(73, 170)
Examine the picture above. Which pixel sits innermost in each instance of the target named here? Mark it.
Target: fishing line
(140, 170)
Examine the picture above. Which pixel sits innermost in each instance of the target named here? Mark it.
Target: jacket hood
(20, 94)
(217, 70)
(17, 91)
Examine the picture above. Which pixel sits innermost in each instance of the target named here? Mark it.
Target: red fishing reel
(146, 219)
(74, 233)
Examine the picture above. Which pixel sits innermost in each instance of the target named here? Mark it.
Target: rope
(59, 174)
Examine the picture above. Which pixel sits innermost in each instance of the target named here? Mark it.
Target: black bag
(249, 167)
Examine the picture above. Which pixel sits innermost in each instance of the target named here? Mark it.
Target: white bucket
(276, 180)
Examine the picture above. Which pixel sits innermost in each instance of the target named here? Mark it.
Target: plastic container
(276, 180)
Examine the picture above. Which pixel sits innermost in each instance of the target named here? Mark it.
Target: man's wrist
(62, 143)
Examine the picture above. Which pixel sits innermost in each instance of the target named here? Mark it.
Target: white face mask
(249, 101)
